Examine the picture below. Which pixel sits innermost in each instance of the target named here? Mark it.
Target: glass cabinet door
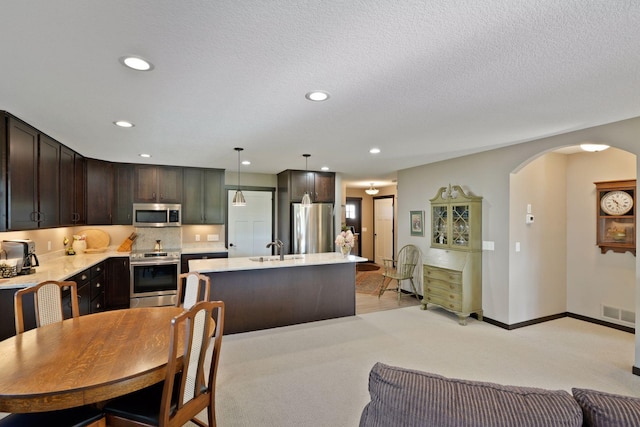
(456, 220)
(460, 225)
(439, 235)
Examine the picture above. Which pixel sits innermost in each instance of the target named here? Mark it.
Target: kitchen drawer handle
(85, 277)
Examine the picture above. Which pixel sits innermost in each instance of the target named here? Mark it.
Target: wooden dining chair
(193, 287)
(400, 269)
(186, 390)
(47, 300)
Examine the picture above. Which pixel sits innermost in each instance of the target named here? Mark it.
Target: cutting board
(97, 240)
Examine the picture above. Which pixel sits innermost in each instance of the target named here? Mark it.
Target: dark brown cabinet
(48, 182)
(99, 192)
(72, 179)
(91, 285)
(33, 178)
(319, 185)
(324, 187)
(84, 295)
(157, 184)
(97, 287)
(118, 278)
(123, 194)
(203, 196)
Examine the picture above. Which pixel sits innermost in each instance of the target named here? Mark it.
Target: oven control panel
(143, 256)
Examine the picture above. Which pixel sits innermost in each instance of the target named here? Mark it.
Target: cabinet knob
(98, 285)
(84, 277)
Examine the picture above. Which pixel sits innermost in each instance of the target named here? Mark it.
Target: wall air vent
(618, 314)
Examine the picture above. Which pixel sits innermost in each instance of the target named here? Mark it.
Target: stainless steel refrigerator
(312, 228)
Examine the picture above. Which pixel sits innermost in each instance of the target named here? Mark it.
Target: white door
(249, 228)
(382, 229)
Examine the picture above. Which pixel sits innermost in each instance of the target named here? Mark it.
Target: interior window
(350, 211)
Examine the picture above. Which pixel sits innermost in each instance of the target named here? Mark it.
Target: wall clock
(616, 219)
(616, 202)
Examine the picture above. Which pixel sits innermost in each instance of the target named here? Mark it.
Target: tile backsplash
(170, 238)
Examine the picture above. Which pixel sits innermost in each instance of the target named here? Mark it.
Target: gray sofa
(405, 397)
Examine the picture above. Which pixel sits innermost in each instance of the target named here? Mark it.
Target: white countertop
(59, 268)
(236, 264)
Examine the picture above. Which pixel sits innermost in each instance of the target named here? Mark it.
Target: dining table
(85, 360)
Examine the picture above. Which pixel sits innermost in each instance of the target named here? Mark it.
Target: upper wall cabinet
(319, 185)
(99, 192)
(157, 184)
(203, 196)
(72, 182)
(33, 165)
(122, 194)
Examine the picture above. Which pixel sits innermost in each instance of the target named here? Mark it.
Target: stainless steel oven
(154, 278)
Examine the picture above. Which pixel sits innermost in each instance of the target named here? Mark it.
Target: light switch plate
(488, 245)
(213, 237)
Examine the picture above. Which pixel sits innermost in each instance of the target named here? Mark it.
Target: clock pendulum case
(616, 216)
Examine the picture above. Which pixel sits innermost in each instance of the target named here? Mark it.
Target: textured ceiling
(422, 80)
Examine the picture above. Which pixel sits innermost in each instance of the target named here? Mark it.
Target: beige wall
(595, 279)
(538, 273)
(488, 174)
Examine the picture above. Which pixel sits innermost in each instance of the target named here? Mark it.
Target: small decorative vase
(345, 250)
(79, 246)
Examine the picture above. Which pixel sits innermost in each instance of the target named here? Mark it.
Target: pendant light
(238, 199)
(306, 199)
(371, 191)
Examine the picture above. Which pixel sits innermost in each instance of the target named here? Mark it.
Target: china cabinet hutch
(452, 271)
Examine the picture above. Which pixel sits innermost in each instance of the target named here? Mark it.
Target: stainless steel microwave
(157, 215)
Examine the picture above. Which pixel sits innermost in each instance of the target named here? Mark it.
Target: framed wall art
(417, 223)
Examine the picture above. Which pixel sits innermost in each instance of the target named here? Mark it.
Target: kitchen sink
(275, 258)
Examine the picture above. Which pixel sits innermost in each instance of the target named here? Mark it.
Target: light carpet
(316, 374)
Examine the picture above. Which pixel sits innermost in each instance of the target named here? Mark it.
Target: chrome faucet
(279, 247)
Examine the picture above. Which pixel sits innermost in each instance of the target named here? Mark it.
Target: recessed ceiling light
(317, 95)
(136, 63)
(246, 162)
(594, 147)
(146, 156)
(123, 124)
(374, 150)
(324, 168)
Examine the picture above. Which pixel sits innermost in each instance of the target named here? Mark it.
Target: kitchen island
(268, 293)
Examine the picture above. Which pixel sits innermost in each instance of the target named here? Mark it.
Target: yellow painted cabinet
(452, 270)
